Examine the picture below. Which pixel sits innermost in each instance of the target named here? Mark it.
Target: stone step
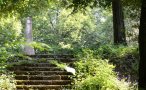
(55, 58)
(43, 82)
(37, 73)
(42, 73)
(28, 68)
(44, 59)
(42, 77)
(52, 56)
(45, 56)
(43, 87)
(37, 65)
(65, 60)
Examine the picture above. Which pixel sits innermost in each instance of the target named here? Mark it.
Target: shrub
(7, 82)
(112, 51)
(95, 73)
(126, 59)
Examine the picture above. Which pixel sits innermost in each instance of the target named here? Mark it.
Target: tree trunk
(142, 47)
(118, 22)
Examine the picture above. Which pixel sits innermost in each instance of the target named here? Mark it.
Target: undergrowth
(7, 82)
(95, 71)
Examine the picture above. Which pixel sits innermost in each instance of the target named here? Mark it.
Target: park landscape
(72, 45)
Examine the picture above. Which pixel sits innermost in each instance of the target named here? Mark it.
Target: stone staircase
(39, 74)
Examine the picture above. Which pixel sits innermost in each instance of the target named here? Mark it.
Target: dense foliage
(94, 73)
(7, 82)
(88, 34)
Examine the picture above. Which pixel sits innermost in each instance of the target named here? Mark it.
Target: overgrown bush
(97, 74)
(7, 82)
(125, 58)
(112, 51)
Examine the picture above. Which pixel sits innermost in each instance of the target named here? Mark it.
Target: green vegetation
(7, 82)
(97, 74)
(94, 72)
(83, 28)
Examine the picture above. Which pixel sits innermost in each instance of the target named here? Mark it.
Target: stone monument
(28, 49)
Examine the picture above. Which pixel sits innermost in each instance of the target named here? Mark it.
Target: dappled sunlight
(71, 44)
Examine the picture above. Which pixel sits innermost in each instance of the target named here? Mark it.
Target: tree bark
(142, 47)
(118, 22)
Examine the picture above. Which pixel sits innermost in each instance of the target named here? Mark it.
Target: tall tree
(142, 47)
(118, 17)
(118, 22)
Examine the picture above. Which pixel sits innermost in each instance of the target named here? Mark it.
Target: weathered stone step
(37, 73)
(65, 60)
(42, 73)
(52, 56)
(28, 68)
(43, 82)
(40, 64)
(43, 87)
(42, 77)
(45, 56)
(37, 65)
(44, 59)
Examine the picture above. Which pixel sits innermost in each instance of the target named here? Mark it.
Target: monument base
(28, 50)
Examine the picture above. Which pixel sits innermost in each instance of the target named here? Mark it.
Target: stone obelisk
(28, 49)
